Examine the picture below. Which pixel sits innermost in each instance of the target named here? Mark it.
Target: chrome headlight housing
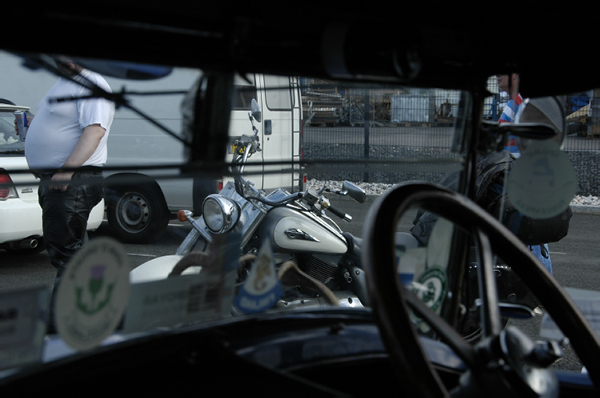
(220, 213)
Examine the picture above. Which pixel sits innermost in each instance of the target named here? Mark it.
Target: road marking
(556, 253)
(141, 255)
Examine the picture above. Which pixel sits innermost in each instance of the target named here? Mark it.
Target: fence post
(367, 125)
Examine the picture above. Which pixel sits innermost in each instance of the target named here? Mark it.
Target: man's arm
(87, 144)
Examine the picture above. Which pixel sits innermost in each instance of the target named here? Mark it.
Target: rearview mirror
(354, 192)
(537, 119)
(255, 111)
(541, 119)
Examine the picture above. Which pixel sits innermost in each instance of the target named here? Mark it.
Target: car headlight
(220, 213)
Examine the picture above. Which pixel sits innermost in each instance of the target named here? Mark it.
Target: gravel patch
(586, 201)
(585, 163)
(379, 188)
(369, 188)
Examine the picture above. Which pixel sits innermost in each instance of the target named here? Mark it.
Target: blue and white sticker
(262, 288)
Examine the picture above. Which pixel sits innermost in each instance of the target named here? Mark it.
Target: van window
(245, 91)
(278, 93)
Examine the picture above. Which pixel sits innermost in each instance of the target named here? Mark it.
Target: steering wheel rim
(389, 298)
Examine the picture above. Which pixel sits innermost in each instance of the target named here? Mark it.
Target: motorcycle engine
(321, 267)
(326, 270)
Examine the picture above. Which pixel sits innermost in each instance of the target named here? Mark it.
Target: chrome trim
(318, 220)
(229, 212)
(297, 233)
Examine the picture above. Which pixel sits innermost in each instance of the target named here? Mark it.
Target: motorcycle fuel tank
(292, 231)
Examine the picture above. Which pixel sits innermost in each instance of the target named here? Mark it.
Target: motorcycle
(301, 233)
(302, 236)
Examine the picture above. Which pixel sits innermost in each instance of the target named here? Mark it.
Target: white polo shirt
(56, 127)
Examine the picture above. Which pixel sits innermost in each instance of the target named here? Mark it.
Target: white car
(20, 213)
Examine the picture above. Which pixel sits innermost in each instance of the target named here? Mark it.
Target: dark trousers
(65, 215)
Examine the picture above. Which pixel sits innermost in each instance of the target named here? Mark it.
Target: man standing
(510, 84)
(66, 148)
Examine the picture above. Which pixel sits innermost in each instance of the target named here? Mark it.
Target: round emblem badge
(542, 182)
(431, 287)
(92, 294)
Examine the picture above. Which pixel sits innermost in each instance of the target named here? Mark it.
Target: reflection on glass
(423, 266)
(427, 260)
(373, 137)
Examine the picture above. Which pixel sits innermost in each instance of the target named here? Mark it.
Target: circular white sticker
(432, 287)
(92, 294)
(542, 183)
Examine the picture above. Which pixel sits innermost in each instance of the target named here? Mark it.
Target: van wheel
(136, 214)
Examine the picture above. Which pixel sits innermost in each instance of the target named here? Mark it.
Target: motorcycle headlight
(220, 213)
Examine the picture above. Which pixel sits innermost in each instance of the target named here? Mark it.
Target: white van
(139, 203)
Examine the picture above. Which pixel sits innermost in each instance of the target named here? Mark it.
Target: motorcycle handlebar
(344, 216)
(341, 214)
(250, 145)
(283, 201)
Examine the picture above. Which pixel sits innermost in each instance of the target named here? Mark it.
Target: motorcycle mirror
(537, 119)
(354, 191)
(541, 113)
(256, 112)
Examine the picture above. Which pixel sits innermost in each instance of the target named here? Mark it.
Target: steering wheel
(503, 357)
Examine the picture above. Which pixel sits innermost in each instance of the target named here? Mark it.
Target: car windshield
(9, 140)
(189, 241)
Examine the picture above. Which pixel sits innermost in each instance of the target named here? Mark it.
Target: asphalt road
(575, 263)
(19, 272)
(575, 259)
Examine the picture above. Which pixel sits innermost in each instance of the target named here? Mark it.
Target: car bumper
(21, 219)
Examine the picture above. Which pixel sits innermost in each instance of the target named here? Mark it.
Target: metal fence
(378, 125)
(346, 123)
